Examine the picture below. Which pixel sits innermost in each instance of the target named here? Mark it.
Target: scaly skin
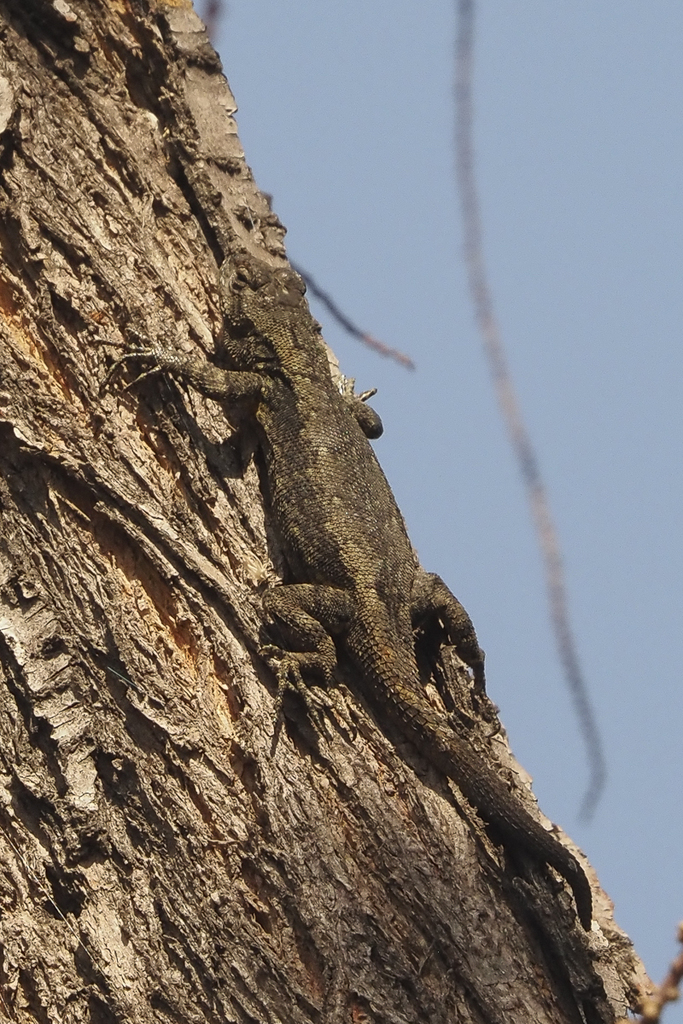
(359, 584)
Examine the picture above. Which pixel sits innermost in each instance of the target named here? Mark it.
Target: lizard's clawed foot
(287, 667)
(149, 354)
(163, 360)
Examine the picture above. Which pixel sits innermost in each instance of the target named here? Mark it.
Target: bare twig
(212, 15)
(507, 399)
(348, 325)
(668, 992)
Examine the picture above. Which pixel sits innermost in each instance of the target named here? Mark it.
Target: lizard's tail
(487, 792)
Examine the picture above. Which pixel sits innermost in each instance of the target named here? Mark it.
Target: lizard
(358, 583)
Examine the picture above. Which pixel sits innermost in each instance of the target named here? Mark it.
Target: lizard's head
(267, 317)
(252, 290)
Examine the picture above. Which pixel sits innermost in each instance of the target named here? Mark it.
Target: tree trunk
(164, 854)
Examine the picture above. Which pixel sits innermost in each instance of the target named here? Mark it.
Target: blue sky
(346, 116)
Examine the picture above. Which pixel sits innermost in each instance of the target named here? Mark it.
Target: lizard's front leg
(306, 617)
(209, 380)
(365, 416)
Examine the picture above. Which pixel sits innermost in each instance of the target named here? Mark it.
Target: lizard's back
(339, 521)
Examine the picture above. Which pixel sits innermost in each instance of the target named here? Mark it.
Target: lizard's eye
(239, 281)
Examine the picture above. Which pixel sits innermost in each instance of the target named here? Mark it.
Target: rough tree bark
(161, 857)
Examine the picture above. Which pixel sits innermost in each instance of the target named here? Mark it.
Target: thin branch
(668, 992)
(348, 325)
(521, 442)
(212, 14)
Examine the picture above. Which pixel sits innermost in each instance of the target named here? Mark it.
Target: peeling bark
(162, 858)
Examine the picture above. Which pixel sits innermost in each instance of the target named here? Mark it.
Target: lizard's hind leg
(305, 616)
(433, 601)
